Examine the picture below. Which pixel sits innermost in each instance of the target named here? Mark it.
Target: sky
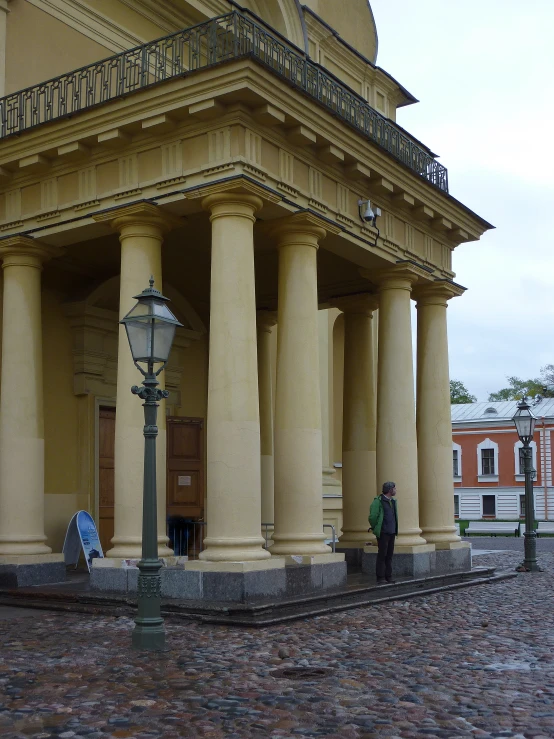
(483, 72)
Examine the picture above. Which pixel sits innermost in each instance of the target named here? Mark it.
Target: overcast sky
(482, 70)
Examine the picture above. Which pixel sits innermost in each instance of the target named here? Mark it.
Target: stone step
(265, 613)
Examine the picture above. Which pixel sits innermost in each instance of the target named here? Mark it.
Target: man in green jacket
(383, 519)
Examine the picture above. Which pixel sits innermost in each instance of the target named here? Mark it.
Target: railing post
(235, 35)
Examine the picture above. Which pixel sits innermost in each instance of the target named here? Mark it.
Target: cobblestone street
(473, 662)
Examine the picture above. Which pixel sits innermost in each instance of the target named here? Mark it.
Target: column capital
(437, 293)
(302, 227)
(402, 275)
(362, 303)
(235, 203)
(24, 251)
(265, 320)
(141, 216)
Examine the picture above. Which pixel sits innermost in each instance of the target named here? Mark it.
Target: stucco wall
(356, 26)
(39, 46)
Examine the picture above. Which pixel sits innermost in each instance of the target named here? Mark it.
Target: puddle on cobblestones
(521, 666)
(503, 666)
(302, 673)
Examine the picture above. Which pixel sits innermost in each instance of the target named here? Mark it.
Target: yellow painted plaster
(29, 28)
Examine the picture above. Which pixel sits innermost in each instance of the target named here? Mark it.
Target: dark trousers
(383, 568)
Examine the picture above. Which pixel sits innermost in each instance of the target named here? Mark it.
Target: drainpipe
(544, 481)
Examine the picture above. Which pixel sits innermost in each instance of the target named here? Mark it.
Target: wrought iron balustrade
(218, 40)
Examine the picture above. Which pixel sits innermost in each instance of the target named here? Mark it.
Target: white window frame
(487, 444)
(517, 446)
(457, 495)
(457, 448)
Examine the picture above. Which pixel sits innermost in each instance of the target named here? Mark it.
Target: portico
(243, 197)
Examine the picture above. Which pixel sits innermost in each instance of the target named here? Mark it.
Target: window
(519, 466)
(489, 505)
(522, 506)
(487, 461)
(456, 462)
(456, 506)
(521, 462)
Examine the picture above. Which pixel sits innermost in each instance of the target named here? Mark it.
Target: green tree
(518, 388)
(547, 378)
(459, 393)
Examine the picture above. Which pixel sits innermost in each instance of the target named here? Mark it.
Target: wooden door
(106, 441)
(185, 467)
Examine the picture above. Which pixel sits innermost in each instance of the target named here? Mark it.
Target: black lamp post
(150, 327)
(525, 424)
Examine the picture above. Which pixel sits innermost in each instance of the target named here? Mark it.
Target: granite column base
(227, 586)
(421, 564)
(22, 575)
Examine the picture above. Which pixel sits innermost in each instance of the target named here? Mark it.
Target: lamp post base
(529, 567)
(149, 636)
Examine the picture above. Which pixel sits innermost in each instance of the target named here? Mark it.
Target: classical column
(141, 230)
(21, 403)
(233, 424)
(434, 423)
(330, 484)
(359, 418)
(396, 426)
(298, 450)
(266, 321)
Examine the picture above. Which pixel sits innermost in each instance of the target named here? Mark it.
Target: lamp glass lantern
(524, 421)
(150, 327)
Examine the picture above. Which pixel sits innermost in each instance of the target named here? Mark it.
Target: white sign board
(82, 534)
(184, 480)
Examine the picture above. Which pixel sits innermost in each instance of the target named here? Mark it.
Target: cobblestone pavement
(475, 662)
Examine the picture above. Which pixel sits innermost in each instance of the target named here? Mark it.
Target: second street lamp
(150, 327)
(525, 424)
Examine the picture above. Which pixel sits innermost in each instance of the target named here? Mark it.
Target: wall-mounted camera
(367, 213)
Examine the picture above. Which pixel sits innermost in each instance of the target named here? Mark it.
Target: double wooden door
(185, 470)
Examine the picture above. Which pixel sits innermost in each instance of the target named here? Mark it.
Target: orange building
(487, 467)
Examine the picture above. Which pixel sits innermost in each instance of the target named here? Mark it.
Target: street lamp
(525, 425)
(150, 327)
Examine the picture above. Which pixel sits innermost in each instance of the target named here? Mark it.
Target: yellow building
(229, 161)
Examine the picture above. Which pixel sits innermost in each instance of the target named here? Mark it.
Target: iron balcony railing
(218, 40)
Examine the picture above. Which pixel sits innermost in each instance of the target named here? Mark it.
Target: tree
(459, 393)
(547, 378)
(519, 388)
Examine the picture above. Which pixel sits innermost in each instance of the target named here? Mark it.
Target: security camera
(367, 214)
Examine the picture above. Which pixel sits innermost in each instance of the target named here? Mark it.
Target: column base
(354, 539)
(133, 550)
(451, 545)
(21, 570)
(331, 486)
(284, 547)
(421, 561)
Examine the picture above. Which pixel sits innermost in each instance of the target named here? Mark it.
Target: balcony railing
(218, 40)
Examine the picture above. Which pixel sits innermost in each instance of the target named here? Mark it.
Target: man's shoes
(391, 582)
(381, 582)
